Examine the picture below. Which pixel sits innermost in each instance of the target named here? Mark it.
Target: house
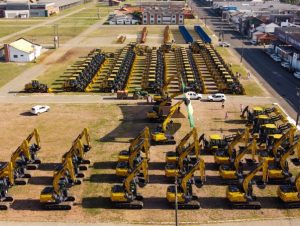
(22, 50)
(124, 19)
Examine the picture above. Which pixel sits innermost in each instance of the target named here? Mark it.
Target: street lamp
(298, 112)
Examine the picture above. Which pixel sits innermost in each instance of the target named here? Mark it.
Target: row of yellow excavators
(268, 138)
(68, 173)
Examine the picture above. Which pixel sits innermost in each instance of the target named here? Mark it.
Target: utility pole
(55, 36)
(98, 13)
(176, 202)
(298, 112)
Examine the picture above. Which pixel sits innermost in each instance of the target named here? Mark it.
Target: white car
(297, 74)
(193, 96)
(224, 44)
(217, 97)
(276, 58)
(38, 109)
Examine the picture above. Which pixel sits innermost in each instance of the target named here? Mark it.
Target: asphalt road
(280, 83)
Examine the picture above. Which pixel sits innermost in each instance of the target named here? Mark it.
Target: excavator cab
(268, 132)
(214, 143)
(289, 193)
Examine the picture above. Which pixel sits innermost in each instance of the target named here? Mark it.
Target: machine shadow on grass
(104, 178)
(48, 166)
(41, 180)
(104, 165)
(134, 121)
(27, 113)
(27, 204)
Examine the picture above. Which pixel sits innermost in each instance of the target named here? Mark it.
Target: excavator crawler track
(130, 205)
(249, 205)
(58, 207)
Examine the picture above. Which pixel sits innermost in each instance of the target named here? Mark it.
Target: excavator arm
(8, 171)
(143, 165)
(67, 169)
(244, 136)
(262, 166)
(36, 135)
(290, 151)
(287, 135)
(200, 165)
(297, 182)
(252, 146)
(144, 134)
(168, 118)
(85, 133)
(184, 140)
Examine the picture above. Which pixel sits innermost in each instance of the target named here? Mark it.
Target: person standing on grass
(223, 104)
(226, 115)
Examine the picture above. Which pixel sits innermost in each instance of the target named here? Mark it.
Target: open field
(111, 127)
(9, 71)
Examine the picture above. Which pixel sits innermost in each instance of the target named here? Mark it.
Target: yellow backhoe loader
(222, 156)
(143, 135)
(123, 168)
(290, 194)
(57, 196)
(172, 156)
(185, 197)
(126, 195)
(235, 169)
(160, 135)
(279, 169)
(241, 196)
(6, 181)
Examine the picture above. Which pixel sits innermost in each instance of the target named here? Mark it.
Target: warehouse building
(21, 50)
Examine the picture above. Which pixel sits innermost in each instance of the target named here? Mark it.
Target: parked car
(217, 97)
(286, 65)
(297, 74)
(193, 96)
(224, 44)
(38, 109)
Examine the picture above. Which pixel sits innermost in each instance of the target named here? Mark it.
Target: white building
(22, 50)
(123, 19)
(267, 28)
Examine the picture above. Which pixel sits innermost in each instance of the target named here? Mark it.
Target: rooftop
(23, 45)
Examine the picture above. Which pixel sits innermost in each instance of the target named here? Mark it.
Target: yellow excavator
(156, 114)
(274, 146)
(214, 142)
(185, 197)
(222, 156)
(186, 158)
(33, 147)
(126, 195)
(241, 196)
(234, 169)
(158, 98)
(123, 168)
(289, 194)
(247, 114)
(144, 134)
(160, 136)
(172, 156)
(6, 181)
(86, 146)
(279, 169)
(57, 196)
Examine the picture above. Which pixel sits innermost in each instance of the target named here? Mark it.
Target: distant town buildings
(41, 8)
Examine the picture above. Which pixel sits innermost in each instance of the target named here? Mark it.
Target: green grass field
(9, 71)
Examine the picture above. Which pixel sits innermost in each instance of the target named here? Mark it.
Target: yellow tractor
(185, 197)
(290, 194)
(126, 195)
(36, 87)
(234, 169)
(161, 136)
(222, 156)
(241, 196)
(57, 196)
